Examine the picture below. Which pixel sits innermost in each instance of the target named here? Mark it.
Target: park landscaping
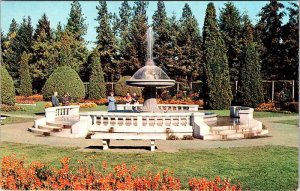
(255, 168)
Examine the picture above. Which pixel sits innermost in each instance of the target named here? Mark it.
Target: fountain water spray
(150, 77)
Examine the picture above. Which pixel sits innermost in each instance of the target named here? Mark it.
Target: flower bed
(30, 99)
(181, 101)
(38, 176)
(8, 108)
(267, 107)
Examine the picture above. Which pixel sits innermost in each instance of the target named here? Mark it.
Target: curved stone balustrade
(164, 107)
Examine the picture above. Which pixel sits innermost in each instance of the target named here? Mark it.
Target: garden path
(279, 134)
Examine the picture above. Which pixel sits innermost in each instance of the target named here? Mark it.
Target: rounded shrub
(64, 80)
(121, 88)
(8, 92)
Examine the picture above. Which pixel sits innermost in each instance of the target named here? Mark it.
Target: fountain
(150, 77)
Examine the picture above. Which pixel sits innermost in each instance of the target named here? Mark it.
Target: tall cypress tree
(189, 42)
(76, 21)
(269, 30)
(216, 72)
(25, 79)
(97, 87)
(230, 26)
(250, 90)
(106, 43)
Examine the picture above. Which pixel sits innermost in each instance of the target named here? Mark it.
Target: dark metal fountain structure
(150, 77)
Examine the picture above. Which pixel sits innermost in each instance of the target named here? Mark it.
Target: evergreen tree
(44, 60)
(25, 79)
(43, 25)
(106, 43)
(76, 21)
(230, 26)
(216, 72)
(128, 62)
(162, 49)
(97, 88)
(189, 41)
(138, 31)
(20, 43)
(289, 69)
(251, 92)
(269, 30)
(13, 27)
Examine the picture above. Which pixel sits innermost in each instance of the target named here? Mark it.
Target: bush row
(38, 176)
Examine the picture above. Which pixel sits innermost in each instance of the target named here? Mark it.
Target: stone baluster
(155, 120)
(163, 121)
(117, 121)
(179, 120)
(147, 121)
(124, 121)
(109, 121)
(101, 120)
(131, 121)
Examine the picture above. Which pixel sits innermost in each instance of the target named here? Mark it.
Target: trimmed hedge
(64, 79)
(121, 88)
(8, 92)
(25, 78)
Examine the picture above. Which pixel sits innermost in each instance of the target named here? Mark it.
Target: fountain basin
(155, 83)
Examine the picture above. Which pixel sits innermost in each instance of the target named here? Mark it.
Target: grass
(10, 120)
(257, 114)
(257, 168)
(39, 109)
(289, 122)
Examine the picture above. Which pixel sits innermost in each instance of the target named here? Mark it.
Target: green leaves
(25, 78)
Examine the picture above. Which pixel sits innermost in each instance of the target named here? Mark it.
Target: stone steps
(44, 132)
(233, 134)
(51, 128)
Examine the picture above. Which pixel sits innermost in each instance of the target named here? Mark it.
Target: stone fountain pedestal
(150, 103)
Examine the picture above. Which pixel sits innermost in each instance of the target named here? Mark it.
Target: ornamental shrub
(64, 80)
(121, 88)
(8, 92)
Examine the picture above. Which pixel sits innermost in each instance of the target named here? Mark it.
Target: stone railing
(164, 107)
(62, 111)
(178, 124)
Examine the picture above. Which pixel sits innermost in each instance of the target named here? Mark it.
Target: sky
(59, 11)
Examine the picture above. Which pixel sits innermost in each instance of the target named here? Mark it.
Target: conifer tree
(216, 72)
(43, 25)
(128, 61)
(289, 69)
(162, 49)
(106, 43)
(189, 41)
(76, 21)
(138, 31)
(97, 88)
(25, 78)
(13, 27)
(230, 26)
(269, 30)
(20, 43)
(251, 89)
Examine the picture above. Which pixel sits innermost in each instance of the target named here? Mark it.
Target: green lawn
(39, 109)
(257, 114)
(290, 122)
(257, 168)
(10, 120)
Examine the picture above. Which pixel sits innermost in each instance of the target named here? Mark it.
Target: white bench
(106, 137)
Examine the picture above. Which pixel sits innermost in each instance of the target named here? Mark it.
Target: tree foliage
(8, 92)
(106, 42)
(97, 88)
(25, 78)
(216, 73)
(189, 41)
(230, 22)
(43, 26)
(121, 89)
(64, 80)
(269, 31)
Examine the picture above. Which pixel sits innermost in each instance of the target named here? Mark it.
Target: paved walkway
(279, 134)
